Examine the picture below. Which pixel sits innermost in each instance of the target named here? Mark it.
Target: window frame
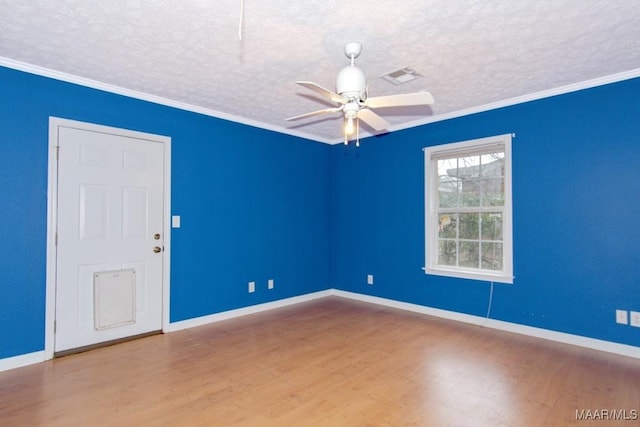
(431, 180)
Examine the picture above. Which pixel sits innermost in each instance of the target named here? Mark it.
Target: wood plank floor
(330, 362)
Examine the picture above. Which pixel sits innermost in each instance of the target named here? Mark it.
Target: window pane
(469, 254)
(492, 164)
(493, 192)
(447, 252)
(448, 167)
(448, 191)
(492, 256)
(447, 225)
(469, 226)
(468, 175)
(491, 226)
(470, 192)
(448, 183)
(468, 167)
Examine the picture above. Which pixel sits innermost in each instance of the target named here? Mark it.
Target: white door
(109, 262)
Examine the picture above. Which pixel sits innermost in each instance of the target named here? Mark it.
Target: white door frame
(52, 211)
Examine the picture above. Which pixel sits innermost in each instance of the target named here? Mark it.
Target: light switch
(175, 221)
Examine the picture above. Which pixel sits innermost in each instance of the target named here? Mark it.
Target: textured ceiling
(471, 53)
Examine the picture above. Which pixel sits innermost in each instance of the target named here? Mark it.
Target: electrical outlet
(634, 318)
(270, 284)
(252, 287)
(369, 279)
(621, 317)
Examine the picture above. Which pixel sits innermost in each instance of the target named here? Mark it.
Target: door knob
(157, 249)
(156, 236)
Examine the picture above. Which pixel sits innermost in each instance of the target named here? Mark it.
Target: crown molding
(94, 84)
(561, 90)
(106, 87)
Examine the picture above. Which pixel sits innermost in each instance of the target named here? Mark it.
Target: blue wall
(576, 208)
(257, 205)
(254, 204)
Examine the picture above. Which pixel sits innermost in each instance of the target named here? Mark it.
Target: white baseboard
(22, 360)
(39, 356)
(592, 343)
(577, 340)
(244, 311)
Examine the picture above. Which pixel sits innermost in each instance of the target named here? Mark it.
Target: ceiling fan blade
(323, 91)
(401, 100)
(373, 120)
(315, 113)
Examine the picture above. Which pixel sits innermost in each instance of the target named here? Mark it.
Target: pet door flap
(114, 298)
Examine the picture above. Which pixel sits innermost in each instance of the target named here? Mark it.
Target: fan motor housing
(351, 83)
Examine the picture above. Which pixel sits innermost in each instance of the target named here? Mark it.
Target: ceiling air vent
(401, 75)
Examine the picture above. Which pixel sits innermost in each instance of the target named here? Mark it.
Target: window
(468, 209)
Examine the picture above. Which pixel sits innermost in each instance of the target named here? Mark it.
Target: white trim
(480, 275)
(561, 337)
(22, 360)
(244, 311)
(166, 220)
(51, 262)
(71, 78)
(52, 209)
(561, 90)
(94, 84)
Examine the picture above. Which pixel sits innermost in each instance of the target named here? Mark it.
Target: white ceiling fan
(352, 97)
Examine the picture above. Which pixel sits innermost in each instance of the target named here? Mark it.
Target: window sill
(473, 275)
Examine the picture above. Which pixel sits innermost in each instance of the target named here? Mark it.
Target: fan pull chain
(241, 19)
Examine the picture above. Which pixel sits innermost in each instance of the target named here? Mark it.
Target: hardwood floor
(330, 362)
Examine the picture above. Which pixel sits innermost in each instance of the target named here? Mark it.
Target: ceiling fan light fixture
(349, 127)
(350, 113)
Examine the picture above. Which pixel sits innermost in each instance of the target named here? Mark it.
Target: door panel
(110, 206)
